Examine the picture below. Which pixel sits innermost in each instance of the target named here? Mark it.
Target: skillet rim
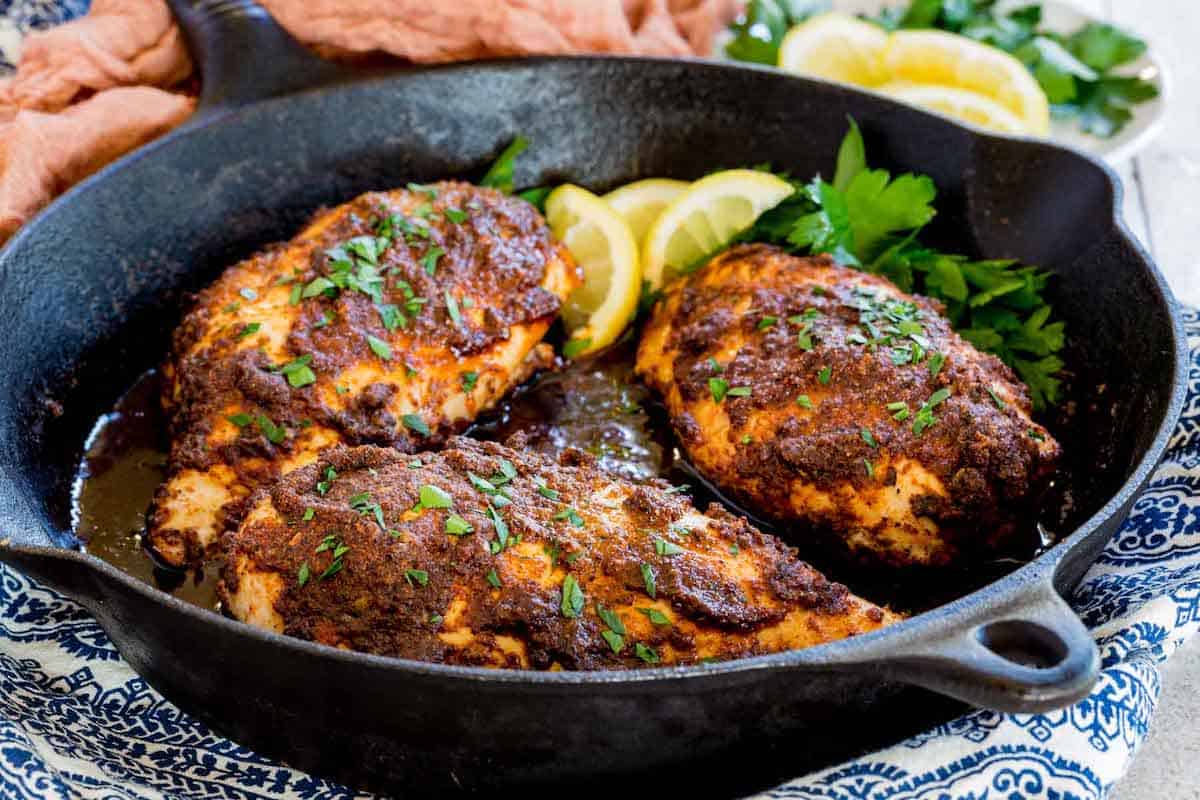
(870, 649)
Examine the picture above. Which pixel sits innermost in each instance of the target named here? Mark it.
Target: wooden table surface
(1162, 206)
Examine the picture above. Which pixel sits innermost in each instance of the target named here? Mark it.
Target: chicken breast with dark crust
(393, 319)
(487, 555)
(821, 395)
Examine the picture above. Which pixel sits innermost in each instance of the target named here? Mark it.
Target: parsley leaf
(500, 174)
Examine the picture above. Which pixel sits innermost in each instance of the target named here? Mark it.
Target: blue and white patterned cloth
(75, 721)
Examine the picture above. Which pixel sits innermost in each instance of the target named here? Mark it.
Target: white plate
(1062, 17)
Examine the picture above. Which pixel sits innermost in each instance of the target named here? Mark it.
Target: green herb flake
(379, 347)
(457, 526)
(648, 580)
(544, 490)
(309, 513)
(610, 618)
(303, 574)
(434, 497)
(824, 375)
(1000, 404)
(646, 653)
(452, 309)
(493, 579)
(936, 361)
(499, 525)
(766, 322)
(429, 261)
(500, 174)
(469, 379)
(655, 616)
(719, 387)
(415, 424)
(572, 598)
(240, 419)
(249, 330)
(665, 548)
(869, 438)
(739, 391)
(1037, 435)
(571, 516)
(324, 485)
(274, 433)
(870, 467)
(615, 640)
(456, 215)
(417, 576)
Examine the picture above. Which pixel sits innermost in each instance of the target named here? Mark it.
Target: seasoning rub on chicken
(817, 394)
(393, 319)
(486, 555)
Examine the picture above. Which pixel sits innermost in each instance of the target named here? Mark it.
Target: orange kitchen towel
(91, 90)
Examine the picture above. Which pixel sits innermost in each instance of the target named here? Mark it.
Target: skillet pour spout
(116, 256)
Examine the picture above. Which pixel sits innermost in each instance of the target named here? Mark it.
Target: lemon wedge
(958, 103)
(837, 47)
(706, 217)
(641, 202)
(956, 62)
(601, 243)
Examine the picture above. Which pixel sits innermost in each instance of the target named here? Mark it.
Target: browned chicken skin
(393, 319)
(823, 395)
(486, 555)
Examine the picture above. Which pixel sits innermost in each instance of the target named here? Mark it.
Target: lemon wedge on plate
(958, 103)
(641, 202)
(956, 62)
(706, 217)
(837, 47)
(601, 243)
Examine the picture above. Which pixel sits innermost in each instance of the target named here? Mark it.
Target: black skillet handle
(244, 55)
(1029, 656)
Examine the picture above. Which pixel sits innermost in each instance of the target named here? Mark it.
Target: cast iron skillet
(94, 285)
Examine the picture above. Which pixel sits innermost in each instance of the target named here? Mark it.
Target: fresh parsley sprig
(869, 219)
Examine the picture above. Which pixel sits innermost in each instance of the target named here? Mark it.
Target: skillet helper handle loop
(244, 55)
(1034, 655)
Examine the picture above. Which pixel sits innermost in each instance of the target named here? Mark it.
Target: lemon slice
(704, 218)
(958, 103)
(945, 59)
(838, 47)
(601, 243)
(641, 202)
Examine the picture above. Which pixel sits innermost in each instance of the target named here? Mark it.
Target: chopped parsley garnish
(379, 347)
(423, 188)
(571, 516)
(295, 295)
(1037, 435)
(615, 640)
(936, 361)
(415, 424)
(418, 576)
(655, 616)
(1000, 404)
(274, 433)
(303, 574)
(435, 619)
(469, 379)
(429, 261)
(240, 419)
(646, 653)
(719, 387)
(766, 322)
(363, 504)
(924, 417)
(869, 438)
(324, 485)
(804, 401)
(308, 514)
(544, 490)
(298, 372)
(391, 317)
(482, 484)
(452, 308)
(338, 549)
(739, 391)
(232, 308)
(456, 215)
(870, 467)
(734, 549)
(317, 286)
(500, 174)
(615, 633)
(747, 439)
(457, 526)
(715, 365)
(500, 526)
(434, 497)
(574, 347)
(899, 411)
(572, 597)
(250, 329)
(824, 375)
(648, 580)
(665, 548)
(493, 579)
